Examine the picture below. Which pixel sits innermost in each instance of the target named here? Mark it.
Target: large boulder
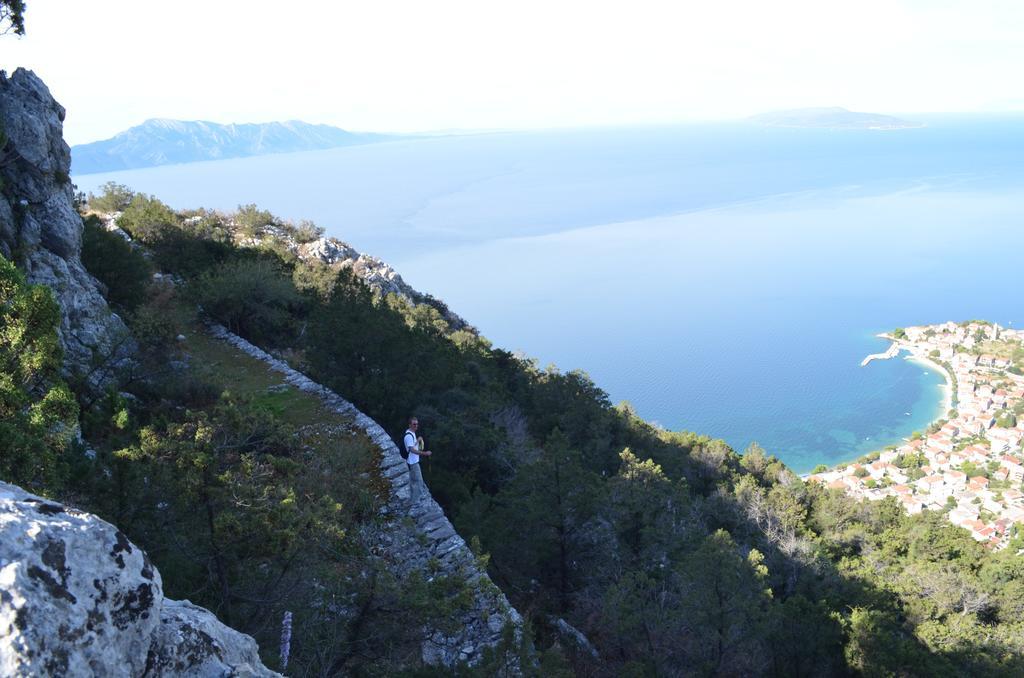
(77, 598)
(41, 230)
(190, 641)
(75, 594)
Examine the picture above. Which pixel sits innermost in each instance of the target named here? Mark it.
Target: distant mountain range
(832, 118)
(164, 142)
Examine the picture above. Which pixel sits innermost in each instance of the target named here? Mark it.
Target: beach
(947, 389)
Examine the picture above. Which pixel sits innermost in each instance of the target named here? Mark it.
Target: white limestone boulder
(77, 598)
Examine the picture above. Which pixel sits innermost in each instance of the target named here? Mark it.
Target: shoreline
(947, 387)
(915, 357)
(970, 470)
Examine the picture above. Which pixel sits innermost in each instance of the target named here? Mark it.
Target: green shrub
(122, 269)
(307, 231)
(187, 255)
(251, 297)
(146, 218)
(37, 411)
(114, 198)
(252, 221)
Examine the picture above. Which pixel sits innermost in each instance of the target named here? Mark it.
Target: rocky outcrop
(77, 598)
(377, 274)
(415, 538)
(40, 229)
(190, 641)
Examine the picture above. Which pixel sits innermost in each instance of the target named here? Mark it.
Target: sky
(414, 66)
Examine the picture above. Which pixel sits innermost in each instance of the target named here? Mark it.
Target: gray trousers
(415, 482)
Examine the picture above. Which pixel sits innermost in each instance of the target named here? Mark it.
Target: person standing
(412, 445)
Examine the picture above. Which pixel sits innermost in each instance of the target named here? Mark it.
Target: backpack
(402, 450)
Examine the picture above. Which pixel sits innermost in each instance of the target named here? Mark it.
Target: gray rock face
(40, 229)
(77, 598)
(190, 641)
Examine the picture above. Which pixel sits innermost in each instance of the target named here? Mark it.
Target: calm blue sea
(723, 278)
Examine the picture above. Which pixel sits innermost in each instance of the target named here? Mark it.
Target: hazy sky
(386, 65)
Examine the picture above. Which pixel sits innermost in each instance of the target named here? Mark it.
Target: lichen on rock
(77, 598)
(70, 600)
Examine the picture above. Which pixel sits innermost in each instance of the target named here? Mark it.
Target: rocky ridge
(77, 598)
(377, 274)
(41, 230)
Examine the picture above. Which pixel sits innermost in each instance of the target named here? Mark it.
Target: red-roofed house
(1013, 496)
(958, 479)
(1013, 466)
(977, 454)
(912, 504)
(877, 469)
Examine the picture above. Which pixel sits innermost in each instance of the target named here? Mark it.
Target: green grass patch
(243, 375)
(1008, 350)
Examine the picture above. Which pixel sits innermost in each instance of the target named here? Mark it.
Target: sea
(723, 278)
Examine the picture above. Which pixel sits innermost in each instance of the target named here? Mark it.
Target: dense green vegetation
(37, 410)
(123, 270)
(245, 492)
(672, 553)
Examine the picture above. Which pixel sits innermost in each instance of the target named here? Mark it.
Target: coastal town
(968, 464)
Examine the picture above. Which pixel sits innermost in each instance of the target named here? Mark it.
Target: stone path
(436, 544)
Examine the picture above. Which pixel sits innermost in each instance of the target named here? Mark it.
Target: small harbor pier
(891, 353)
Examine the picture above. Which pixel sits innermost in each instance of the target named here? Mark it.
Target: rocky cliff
(77, 598)
(41, 230)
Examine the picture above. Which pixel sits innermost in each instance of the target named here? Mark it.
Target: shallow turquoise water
(726, 279)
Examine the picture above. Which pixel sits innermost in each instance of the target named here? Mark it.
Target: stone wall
(415, 538)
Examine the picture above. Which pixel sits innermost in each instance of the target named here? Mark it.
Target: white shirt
(412, 446)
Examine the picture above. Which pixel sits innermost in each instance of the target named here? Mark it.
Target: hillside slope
(255, 491)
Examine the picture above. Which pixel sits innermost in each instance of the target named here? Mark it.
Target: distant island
(164, 142)
(832, 118)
